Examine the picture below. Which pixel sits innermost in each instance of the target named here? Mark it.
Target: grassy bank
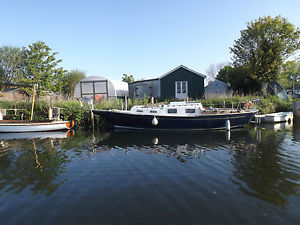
(265, 105)
(72, 110)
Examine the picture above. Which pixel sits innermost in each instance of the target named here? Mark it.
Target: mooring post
(126, 102)
(227, 124)
(91, 105)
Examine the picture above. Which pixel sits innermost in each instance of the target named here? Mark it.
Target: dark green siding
(195, 84)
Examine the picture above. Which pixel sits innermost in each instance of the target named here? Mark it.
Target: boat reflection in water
(277, 126)
(35, 135)
(182, 145)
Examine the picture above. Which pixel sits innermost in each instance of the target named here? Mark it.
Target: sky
(145, 38)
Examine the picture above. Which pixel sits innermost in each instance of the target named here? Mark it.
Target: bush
(273, 104)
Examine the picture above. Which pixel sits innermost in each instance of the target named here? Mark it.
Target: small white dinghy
(274, 117)
(19, 126)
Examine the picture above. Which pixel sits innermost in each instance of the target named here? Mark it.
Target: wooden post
(32, 105)
(91, 105)
(125, 102)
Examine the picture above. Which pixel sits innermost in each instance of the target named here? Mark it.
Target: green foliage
(239, 79)
(234, 102)
(39, 66)
(127, 78)
(268, 104)
(271, 104)
(70, 80)
(264, 46)
(71, 110)
(117, 103)
(9, 62)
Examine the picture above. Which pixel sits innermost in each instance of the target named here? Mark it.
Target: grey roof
(218, 82)
(139, 81)
(166, 74)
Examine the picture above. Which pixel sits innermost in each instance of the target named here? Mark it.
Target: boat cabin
(173, 109)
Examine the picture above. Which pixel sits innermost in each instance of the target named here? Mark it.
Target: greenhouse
(95, 87)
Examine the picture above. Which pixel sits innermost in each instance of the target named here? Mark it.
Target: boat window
(172, 110)
(190, 111)
(139, 110)
(152, 111)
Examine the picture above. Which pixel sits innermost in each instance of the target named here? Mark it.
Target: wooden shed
(179, 83)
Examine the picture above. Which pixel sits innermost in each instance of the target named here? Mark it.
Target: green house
(179, 83)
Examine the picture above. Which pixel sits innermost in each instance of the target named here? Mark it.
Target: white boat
(274, 117)
(19, 126)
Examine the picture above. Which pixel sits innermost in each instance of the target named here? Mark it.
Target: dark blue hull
(202, 122)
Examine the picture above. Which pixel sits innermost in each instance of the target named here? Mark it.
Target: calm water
(250, 176)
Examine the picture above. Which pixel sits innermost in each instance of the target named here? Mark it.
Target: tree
(290, 75)
(213, 70)
(264, 46)
(70, 80)
(9, 61)
(127, 78)
(238, 78)
(225, 74)
(39, 66)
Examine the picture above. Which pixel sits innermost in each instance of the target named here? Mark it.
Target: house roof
(139, 81)
(184, 67)
(216, 82)
(166, 74)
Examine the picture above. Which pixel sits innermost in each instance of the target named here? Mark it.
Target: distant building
(95, 87)
(217, 89)
(179, 83)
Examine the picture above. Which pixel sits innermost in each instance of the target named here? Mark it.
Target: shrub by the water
(272, 104)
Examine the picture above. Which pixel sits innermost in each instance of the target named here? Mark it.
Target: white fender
(154, 121)
(227, 124)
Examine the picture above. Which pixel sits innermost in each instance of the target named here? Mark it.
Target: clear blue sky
(146, 38)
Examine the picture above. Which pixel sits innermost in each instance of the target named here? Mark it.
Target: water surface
(247, 176)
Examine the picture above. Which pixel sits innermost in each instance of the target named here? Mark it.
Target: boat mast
(32, 105)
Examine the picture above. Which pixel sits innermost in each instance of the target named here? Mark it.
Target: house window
(172, 110)
(178, 84)
(181, 87)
